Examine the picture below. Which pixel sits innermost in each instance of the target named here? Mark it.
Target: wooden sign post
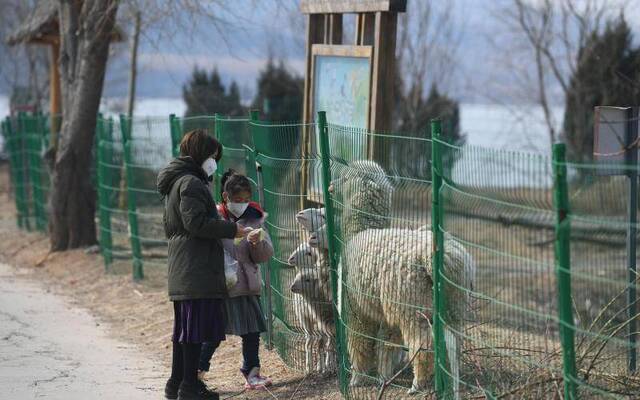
(375, 40)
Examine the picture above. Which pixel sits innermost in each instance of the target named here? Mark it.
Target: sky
(253, 29)
(276, 27)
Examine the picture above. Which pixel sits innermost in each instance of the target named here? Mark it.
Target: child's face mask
(237, 209)
(238, 203)
(209, 166)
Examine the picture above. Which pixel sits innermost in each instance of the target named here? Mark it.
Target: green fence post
(23, 162)
(11, 139)
(136, 249)
(174, 126)
(333, 247)
(254, 116)
(563, 269)
(104, 185)
(441, 377)
(8, 143)
(45, 173)
(34, 144)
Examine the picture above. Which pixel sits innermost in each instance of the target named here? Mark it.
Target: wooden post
(384, 51)
(335, 28)
(133, 67)
(365, 24)
(382, 79)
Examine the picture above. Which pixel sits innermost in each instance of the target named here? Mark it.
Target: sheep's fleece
(388, 273)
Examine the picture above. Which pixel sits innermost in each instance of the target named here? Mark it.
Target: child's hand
(254, 236)
(242, 231)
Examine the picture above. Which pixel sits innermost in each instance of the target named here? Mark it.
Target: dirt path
(51, 349)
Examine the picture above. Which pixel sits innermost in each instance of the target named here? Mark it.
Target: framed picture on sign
(342, 88)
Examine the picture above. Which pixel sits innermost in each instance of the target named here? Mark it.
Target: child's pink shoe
(254, 380)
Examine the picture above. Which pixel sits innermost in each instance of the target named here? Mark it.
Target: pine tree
(206, 95)
(414, 115)
(279, 95)
(234, 108)
(608, 73)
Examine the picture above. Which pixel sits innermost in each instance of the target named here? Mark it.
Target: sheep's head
(311, 282)
(303, 256)
(318, 239)
(311, 218)
(365, 190)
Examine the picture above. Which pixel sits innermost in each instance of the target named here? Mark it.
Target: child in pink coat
(244, 315)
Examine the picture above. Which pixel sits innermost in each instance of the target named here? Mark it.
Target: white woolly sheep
(311, 219)
(304, 255)
(319, 238)
(389, 276)
(365, 192)
(316, 314)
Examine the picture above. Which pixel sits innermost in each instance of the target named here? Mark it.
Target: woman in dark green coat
(196, 260)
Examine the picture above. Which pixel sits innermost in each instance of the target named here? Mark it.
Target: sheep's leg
(328, 351)
(360, 350)
(308, 351)
(417, 336)
(320, 347)
(391, 357)
(385, 367)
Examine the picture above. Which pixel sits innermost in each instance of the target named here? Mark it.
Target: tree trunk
(133, 71)
(85, 31)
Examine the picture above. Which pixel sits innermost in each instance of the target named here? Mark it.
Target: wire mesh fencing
(380, 207)
(497, 321)
(403, 264)
(602, 242)
(295, 292)
(19, 170)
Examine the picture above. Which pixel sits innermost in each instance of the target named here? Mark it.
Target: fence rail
(430, 272)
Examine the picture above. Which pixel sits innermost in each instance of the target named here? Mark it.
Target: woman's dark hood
(177, 168)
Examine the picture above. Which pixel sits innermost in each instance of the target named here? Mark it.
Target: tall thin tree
(86, 28)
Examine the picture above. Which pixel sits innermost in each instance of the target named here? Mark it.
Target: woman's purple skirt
(198, 321)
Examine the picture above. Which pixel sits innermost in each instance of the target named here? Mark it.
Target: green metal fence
(282, 168)
(442, 270)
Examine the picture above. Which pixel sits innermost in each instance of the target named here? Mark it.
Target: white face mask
(237, 209)
(209, 166)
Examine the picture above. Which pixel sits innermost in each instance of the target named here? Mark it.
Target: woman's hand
(242, 231)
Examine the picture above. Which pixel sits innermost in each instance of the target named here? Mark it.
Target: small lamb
(319, 239)
(303, 256)
(311, 219)
(316, 315)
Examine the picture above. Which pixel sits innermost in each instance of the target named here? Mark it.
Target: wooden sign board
(342, 84)
(373, 50)
(341, 88)
(613, 131)
(351, 6)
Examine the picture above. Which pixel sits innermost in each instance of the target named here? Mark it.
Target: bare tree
(86, 29)
(427, 52)
(549, 33)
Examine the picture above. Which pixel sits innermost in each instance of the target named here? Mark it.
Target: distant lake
(496, 127)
